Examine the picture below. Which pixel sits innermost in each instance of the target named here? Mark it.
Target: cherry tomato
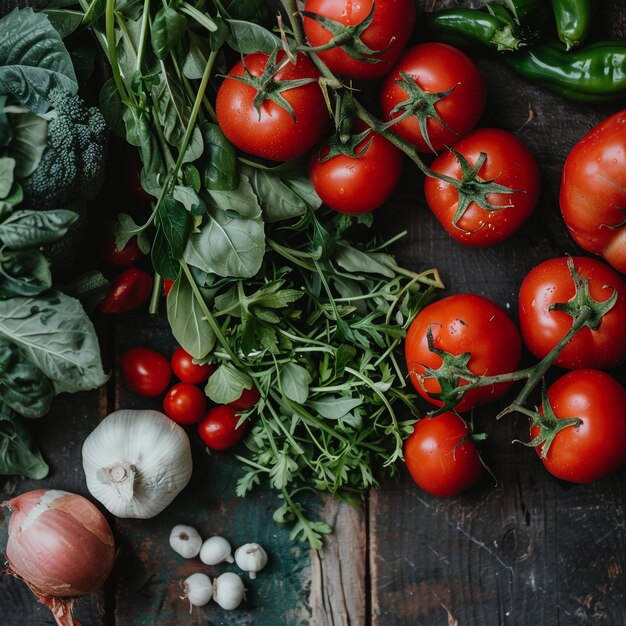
(357, 184)
(593, 191)
(127, 292)
(188, 371)
(460, 324)
(597, 446)
(508, 163)
(219, 429)
(441, 456)
(146, 372)
(269, 130)
(434, 68)
(386, 36)
(551, 282)
(167, 285)
(246, 400)
(115, 257)
(184, 403)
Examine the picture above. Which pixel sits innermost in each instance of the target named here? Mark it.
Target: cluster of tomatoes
(149, 373)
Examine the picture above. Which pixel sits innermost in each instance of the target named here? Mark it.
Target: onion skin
(59, 543)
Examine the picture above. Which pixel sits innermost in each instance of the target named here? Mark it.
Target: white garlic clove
(251, 558)
(186, 541)
(228, 590)
(216, 550)
(198, 589)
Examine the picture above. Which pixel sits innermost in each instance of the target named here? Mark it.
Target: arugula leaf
(248, 38)
(294, 382)
(227, 384)
(335, 407)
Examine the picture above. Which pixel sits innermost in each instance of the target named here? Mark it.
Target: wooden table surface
(527, 550)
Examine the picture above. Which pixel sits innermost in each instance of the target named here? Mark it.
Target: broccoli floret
(72, 167)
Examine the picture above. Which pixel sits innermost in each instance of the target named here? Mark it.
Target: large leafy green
(25, 229)
(33, 59)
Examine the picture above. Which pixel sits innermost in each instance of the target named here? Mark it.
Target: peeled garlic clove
(198, 589)
(186, 541)
(251, 558)
(216, 550)
(228, 590)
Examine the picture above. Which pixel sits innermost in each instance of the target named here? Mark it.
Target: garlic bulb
(215, 550)
(228, 590)
(185, 540)
(251, 558)
(136, 462)
(198, 589)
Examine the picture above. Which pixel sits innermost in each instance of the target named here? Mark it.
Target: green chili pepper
(595, 73)
(573, 19)
(472, 28)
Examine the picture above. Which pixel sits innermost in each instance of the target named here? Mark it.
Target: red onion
(61, 545)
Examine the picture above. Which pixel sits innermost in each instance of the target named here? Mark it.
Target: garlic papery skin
(186, 541)
(198, 589)
(136, 462)
(251, 558)
(228, 590)
(216, 550)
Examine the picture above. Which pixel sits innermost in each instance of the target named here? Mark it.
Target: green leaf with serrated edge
(125, 229)
(294, 382)
(187, 320)
(227, 384)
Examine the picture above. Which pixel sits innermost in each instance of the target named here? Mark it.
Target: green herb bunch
(307, 306)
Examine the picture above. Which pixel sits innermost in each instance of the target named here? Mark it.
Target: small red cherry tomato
(167, 285)
(128, 291)
(246, 400)
(115, 257)
(184, 403)
(440, 455)
(146, 372)
(219, 429)
(188, 371)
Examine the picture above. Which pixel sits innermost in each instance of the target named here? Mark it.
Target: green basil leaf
(112, 107)
(175, 222)
(256, 11)
(282, 196)
(241, 201)
(188, 323)
(24, 273)
(33, 59)
(29, 229)
(294, 382)
(89, 288)
(55, 335)
(227, 246)
(192, 202)
(168, 28)
(7, 168)
(191, 177)
(248, 38)
(163, 260)
(23, 387)
(30, 137)
(197, 56)
(226, 384)
(219, 159)
(18, 455)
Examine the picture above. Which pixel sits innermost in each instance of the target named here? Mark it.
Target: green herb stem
(112, 52)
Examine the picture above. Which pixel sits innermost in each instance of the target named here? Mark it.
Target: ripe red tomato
(357, 184)
(167, 285)
(386, 36)
(219, 429)
(434, 68)
(460, 324)
(270, 131)
(441, 457)
(542, 328)
(596, 447)
(146, 372)
(115, 257)
(184, 403)
(188, 371)
(508, 163)
(593, 191)
(246, 400)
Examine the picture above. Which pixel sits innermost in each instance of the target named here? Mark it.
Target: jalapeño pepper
(573, 19)
(594, 73)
